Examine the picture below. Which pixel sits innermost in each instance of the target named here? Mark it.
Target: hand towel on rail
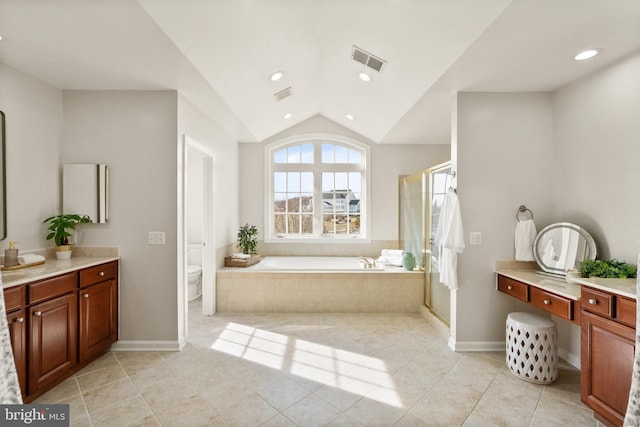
(524, 236)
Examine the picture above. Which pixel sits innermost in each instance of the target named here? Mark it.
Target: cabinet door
(98, 319)
(18, 337)
(53, 340)
(607, 352)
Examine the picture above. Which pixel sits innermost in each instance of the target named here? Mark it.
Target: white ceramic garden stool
(532, 347)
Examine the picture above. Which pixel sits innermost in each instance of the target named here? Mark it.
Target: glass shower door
(437, 295)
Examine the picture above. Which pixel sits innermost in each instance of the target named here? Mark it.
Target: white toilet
(194, 274)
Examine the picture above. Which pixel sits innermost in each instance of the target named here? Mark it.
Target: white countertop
(51, 267)
(624, 287)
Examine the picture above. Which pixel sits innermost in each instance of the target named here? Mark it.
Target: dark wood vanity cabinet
(98, 310)
(607, 352)
(60, 324)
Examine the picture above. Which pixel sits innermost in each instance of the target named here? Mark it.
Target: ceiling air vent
(364, 57)
(285, 93)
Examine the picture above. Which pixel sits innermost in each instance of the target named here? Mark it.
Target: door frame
(208, 236)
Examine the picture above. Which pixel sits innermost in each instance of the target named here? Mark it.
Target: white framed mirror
(563, 246)
(86, 191)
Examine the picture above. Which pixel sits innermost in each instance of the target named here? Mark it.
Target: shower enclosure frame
(437, 297)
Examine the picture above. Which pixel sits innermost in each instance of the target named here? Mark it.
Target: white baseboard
(146, 346)
(477, 345)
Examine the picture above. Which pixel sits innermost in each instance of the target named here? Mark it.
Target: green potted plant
(58, 231)
(248, 239)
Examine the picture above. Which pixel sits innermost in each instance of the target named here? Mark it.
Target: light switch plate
(156, 237)
(475, 238)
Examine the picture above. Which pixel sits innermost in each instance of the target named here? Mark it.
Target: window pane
(342, 154)
(327, 153)
(354, 224)
(306, 202)
(327, 181)
(293, 223)
(355, 182)
(293, 181)
(279, 224)
(293, 154)
(342, 181)
(280, 182)
(293, 204)
(307, 153)
(280, 202)
(328, 224)
(307, 224)
(280, 156)
(306, 182)
(355, 156)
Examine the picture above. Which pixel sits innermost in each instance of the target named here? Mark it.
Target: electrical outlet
(156, 237)
(475, 238)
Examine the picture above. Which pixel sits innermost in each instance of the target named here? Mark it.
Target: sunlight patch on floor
(345, 370)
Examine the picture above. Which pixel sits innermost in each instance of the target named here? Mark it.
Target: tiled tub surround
(365, 291)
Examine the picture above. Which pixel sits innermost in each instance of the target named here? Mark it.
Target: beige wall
(33, 111)
(135, 134)
(596, 162)
(504, 160)
(387, 163)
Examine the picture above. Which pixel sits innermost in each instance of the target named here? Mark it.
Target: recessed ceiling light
(586, 54)
(350, 116)
(364, 76)
(287, 116)
(276, 76)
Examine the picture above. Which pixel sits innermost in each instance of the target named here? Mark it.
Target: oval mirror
(562, 246)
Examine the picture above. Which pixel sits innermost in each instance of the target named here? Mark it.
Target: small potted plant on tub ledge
(59, 226)
(247, 243)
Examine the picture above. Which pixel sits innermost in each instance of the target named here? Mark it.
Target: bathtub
(312, 263)
(318, 284)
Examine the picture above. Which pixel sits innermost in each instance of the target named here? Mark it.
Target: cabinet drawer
(514, 288)
(626, 311)
(598, 302)
(53, 287)
(14, 298)
(554, 304)
(99, 273)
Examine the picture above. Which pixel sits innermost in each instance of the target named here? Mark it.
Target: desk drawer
(514, 288)
(14, 297)
(598, 302)
(50, 288)
(99, 273)
(626, 311)
(554, 304)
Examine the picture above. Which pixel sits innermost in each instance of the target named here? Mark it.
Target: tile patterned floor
(315, 370)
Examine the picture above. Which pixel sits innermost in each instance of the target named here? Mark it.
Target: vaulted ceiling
(221, 53)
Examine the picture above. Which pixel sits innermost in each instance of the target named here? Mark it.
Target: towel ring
(523, 210)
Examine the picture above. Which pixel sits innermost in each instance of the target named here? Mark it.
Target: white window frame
(317, 139)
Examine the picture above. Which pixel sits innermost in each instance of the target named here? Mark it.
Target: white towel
(450, 239)
(241, 256)
(389, 260)
(392, 253)
(30, 259)
(524, 237)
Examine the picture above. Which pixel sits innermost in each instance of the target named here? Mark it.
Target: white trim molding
(147, 346)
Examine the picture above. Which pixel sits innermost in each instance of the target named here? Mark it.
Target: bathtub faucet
(366, 263)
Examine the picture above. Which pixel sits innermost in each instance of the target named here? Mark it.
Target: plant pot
(63, 252)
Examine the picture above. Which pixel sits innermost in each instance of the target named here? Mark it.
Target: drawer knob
(37, 313)
(509, 288)
(593, 301)
(85, 295)
(547, 302)
(101, 274)
(19, 319)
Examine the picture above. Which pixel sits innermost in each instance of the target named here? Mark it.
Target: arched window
(317, 188)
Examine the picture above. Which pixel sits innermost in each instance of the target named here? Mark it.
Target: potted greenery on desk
(58, 231)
